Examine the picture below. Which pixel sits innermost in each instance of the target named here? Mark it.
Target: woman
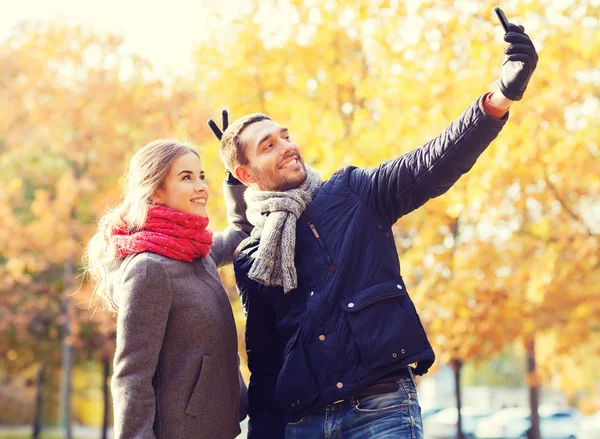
(176, 371)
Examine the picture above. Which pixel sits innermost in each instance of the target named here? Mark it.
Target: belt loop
(412, 376)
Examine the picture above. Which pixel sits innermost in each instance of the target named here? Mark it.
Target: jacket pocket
(296, 385)
(384, 323)
(210, 392)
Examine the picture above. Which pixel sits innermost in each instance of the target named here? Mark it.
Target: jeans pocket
(384, 402)
(298, 422)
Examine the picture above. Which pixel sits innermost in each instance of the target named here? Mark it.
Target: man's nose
(286, 147)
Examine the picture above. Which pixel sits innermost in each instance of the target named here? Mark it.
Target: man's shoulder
(339, 177)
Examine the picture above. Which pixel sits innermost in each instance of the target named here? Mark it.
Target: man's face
(274, 160)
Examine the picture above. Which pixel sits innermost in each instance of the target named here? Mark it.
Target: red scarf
(168, 232)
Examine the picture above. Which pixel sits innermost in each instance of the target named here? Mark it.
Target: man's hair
(232, 149)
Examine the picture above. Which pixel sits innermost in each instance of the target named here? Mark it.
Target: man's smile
(290, 163)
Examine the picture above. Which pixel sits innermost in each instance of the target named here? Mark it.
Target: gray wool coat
(176, 366)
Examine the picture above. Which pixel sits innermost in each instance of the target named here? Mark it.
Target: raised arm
(399, 186)
(238, 229)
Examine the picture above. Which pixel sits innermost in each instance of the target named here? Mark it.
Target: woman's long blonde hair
(145, 174)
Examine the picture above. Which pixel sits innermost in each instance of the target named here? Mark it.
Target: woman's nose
(200, 186)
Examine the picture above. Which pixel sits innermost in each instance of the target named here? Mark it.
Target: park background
(504, 268)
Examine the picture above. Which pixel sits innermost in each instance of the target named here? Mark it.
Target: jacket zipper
(320, 241)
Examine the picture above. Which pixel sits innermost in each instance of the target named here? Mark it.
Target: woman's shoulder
(144, 275)
(145, 264)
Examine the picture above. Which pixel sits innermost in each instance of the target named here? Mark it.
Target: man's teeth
(290, 164)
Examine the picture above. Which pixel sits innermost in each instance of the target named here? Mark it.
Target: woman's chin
(198, 211)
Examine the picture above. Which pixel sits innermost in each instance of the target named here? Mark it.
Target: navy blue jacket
(351, 320)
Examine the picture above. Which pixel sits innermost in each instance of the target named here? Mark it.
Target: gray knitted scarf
(274, 215)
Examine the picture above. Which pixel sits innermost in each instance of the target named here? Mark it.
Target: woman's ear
(157, 198)
(242, 174)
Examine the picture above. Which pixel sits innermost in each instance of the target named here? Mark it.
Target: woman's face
(184, 188)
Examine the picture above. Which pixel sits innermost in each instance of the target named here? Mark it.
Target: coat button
(339, 385)
(293, 405)
(399, 286)
(379, 225)
(312, 293)
(394, 355)
(298, 402)
(403, 351)
(387, 235)
(322, 337)
(351, 305)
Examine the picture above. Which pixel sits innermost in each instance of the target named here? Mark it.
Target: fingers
(224, 119)
(516, 28)
(215, 129)
(522, 57)
(520, 44)
(519, 48)
(513, 37)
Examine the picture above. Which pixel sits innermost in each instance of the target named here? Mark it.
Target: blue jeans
(391, 415)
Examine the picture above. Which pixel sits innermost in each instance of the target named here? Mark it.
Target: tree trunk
(457, 366)
(39, 397)
(65, 388)
(534, 397)
(106, 375)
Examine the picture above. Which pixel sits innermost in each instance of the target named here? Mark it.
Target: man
(333, 339)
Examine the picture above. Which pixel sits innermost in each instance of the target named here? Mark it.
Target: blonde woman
(176, 370)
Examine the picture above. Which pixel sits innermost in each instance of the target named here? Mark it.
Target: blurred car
(590, 427)
(428, 412)
(513, 423)
(443, 425)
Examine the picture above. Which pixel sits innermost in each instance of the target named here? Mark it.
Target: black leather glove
(519, 63)
(229, 177)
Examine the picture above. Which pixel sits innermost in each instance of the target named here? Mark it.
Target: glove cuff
(508, 93)
(230, 179)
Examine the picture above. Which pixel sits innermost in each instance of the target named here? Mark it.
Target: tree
(75, 107)
(511, 251)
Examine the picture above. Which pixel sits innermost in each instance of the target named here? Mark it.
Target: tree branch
(574, 215)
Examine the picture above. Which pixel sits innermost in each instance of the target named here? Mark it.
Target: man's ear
(242, 174)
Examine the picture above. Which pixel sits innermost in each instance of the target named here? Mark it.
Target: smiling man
(333, 338)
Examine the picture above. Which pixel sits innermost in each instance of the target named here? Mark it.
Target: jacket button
(387, 235)
(394, 355)
(399, 286)
(379, 225)
(293, 405)
(403, 351)
(298, 402)
(312, 293)
(322, 337)
(351, 305)
(339, 385)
